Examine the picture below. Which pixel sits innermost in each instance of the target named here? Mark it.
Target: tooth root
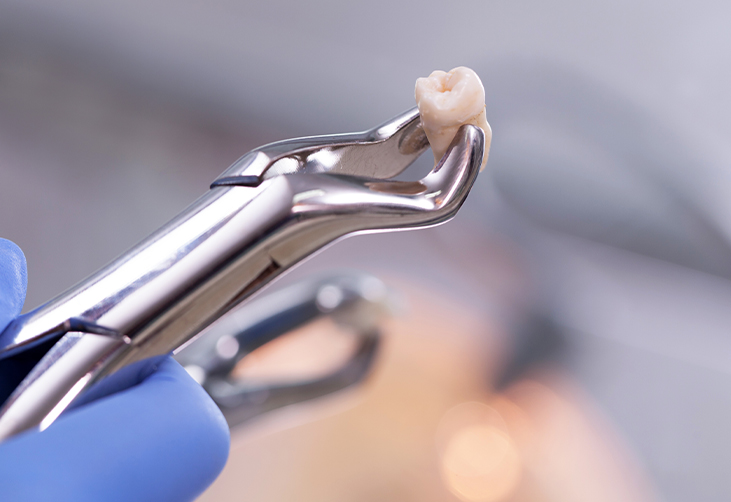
(448, 100)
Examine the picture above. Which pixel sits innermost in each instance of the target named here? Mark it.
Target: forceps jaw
(382, 152)
(361, 203)
(328, 207)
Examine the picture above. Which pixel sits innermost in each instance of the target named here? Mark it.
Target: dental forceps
(271, 209)
(355, 302)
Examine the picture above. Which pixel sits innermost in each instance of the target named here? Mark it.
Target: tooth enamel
(448, 100)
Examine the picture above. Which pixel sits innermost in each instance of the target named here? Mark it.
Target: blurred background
(566, 337)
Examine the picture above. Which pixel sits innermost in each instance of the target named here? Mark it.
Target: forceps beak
(382, 152)
(326, 207)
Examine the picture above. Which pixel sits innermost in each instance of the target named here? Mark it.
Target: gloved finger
(13, 281)
(161, 440)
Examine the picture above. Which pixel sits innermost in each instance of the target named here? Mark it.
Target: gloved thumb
(13, 281)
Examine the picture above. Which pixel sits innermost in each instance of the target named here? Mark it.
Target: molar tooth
(448, 100)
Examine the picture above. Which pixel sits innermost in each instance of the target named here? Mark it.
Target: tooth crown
(450, 98)
(446, 101)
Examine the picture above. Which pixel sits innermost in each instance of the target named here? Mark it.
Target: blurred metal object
(356, 302)
(250, 227)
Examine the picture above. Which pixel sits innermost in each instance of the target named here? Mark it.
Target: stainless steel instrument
(356, 303)
(275, 206)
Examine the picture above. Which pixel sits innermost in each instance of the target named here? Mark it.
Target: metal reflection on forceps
(274, 207)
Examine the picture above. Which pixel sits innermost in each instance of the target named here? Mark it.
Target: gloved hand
(151, 434)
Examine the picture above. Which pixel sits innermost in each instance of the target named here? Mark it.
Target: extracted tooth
(448, 100)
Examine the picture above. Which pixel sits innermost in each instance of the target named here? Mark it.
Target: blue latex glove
(152, 433)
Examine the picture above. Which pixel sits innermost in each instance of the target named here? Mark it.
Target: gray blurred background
(608, 182)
